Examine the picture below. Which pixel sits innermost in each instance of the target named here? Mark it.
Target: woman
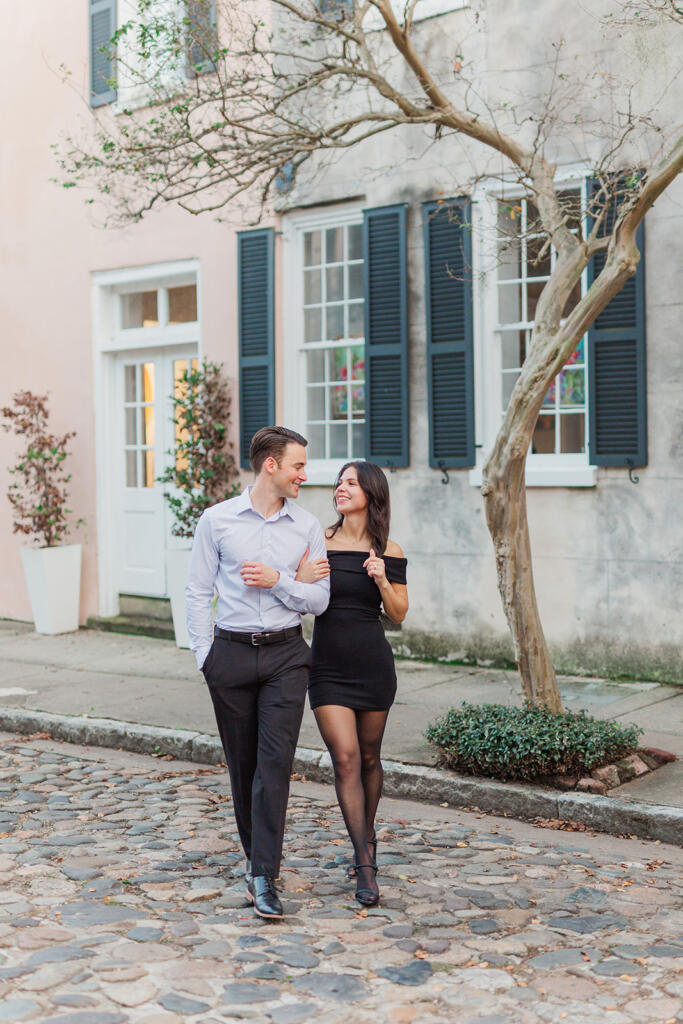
(353, 679)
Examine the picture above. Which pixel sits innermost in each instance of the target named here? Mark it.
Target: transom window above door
(333, 343)
(158, 307)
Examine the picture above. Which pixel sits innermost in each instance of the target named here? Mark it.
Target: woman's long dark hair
(374, 486)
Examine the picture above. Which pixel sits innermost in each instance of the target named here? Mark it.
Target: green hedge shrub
(528, 742)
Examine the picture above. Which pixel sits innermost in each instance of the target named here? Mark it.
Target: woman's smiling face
(349, 495)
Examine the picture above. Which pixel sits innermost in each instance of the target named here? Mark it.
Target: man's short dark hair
(272, 441)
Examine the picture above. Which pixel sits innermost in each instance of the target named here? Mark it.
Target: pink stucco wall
(49, 245)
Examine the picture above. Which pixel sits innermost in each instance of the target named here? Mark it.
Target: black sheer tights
(354, 740)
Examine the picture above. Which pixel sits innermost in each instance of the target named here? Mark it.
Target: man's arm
(306, 597)
(199, 589)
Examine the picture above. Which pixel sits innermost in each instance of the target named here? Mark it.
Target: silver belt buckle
(254, 639)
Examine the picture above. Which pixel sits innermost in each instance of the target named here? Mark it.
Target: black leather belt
(276, 636)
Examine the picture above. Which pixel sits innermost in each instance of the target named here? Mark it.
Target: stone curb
(411, 782)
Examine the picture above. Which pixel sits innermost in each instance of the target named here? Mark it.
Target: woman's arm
(394, 595)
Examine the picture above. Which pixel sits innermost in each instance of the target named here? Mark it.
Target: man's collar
(244, 503)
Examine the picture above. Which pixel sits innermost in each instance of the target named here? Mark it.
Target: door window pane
(139, 309)
(148, 464)
(182, 304)
(147, 424)
(148, 382)
(131, 468)
(131, 432)
(130, 382)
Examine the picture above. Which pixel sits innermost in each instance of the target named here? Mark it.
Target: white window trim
(557, 470)
(132, 95)
(320, 472)
(108, 340)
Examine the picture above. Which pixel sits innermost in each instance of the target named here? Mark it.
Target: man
(256, 661)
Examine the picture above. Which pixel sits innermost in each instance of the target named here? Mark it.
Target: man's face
(291, 473)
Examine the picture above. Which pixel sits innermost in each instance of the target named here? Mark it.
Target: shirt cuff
(283, 585)
(201, 655)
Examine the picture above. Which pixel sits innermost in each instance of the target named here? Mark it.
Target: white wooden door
(146, 437)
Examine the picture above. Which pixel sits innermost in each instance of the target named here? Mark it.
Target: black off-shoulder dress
(353, 664)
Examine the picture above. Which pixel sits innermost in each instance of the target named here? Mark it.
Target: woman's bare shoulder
(393, 550)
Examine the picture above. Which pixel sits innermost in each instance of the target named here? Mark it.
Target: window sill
(556, 476)
(323, 473)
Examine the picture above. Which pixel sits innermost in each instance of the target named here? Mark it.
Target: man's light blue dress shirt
(233, 532)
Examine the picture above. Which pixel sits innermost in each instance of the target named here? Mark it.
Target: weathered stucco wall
(608, 559)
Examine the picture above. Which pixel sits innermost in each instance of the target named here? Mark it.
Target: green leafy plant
(38, 493)
(527, 742)
(203, 471)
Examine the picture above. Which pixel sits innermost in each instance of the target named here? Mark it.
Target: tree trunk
(505, 503)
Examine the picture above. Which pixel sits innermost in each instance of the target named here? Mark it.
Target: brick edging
(411, 782)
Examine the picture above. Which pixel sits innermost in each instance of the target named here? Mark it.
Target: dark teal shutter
(450, 361)
(202, 37)
(386, 336)
(256, 329)
(617, 400)
(102, 16)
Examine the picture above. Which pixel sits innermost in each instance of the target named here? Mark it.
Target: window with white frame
(524, 264)
(332, 345)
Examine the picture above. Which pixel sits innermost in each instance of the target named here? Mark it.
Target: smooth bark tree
(211, 117)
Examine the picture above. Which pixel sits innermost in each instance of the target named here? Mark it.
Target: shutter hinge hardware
(391, 466)
(445, 478)
(634, 479)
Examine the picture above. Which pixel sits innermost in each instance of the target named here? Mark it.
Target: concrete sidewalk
(149, 681)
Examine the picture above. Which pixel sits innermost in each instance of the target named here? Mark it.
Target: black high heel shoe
(366, 897)
(351, 870)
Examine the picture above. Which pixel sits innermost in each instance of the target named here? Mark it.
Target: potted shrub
(202, 471)
(38, 496)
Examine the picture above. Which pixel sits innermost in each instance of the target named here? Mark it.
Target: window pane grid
(139, 435)
(525, 265)
(333, 341)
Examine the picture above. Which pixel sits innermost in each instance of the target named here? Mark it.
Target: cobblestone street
(122, 901)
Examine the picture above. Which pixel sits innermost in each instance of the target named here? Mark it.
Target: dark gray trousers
(258, 696)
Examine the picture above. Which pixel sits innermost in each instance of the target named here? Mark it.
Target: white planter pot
(177, 565)
(53, 578)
